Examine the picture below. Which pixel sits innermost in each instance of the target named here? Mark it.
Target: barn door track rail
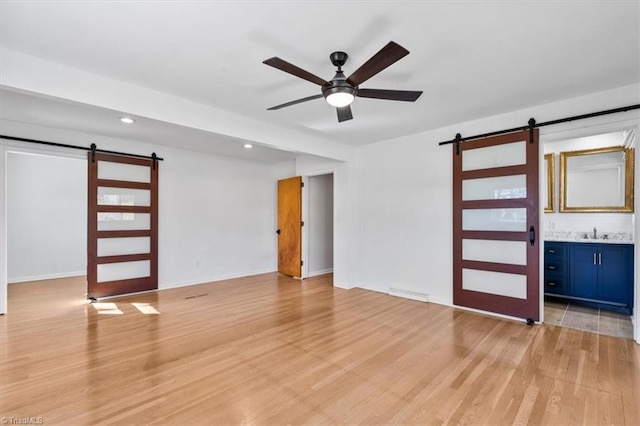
(532, 125)
(93, 148)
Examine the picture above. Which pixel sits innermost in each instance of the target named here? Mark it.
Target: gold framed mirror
(549, 172)
(597, 180)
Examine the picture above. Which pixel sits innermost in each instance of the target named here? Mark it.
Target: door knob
(278, 232)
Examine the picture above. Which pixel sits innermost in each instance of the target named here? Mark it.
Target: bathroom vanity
(599, 272)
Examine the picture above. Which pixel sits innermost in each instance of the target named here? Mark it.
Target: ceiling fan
(341, 91)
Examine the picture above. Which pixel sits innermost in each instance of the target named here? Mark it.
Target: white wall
(46, 216)
(405, 219)
(217, 215)
(320, 224)
(404, 186)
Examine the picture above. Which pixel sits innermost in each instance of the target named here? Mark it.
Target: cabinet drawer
(555, 285)
(555, 252)
(555, 267)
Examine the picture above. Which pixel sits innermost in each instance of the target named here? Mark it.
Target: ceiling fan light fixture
(340, 96)
(341, 91)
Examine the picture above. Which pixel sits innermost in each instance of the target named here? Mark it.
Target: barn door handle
(532, 235)
(278, 232)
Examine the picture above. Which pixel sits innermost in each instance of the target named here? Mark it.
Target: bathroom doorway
(579, 290)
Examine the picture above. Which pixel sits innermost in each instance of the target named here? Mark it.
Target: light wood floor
(272, 350)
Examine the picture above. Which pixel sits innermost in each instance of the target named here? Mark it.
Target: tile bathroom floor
(570, 314)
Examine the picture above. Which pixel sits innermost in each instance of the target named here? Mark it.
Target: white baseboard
(421, 297)
(343, 286)
(439, 301)
(46, 277)
(374, 288)
(316, 273)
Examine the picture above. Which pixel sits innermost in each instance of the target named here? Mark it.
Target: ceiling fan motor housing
(339, 82)
(338, 59)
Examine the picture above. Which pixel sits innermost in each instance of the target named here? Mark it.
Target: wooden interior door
(290, 226)
(122, 237)
(496, 225)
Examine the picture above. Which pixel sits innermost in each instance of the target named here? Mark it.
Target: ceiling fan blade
(388, 55)
(285, 66)
(344, 113)
(391, 95)
(297, 101)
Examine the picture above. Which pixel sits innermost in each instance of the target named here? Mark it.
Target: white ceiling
(472, 59)
(56, 113)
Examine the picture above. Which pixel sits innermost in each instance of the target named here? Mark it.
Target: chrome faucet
(595, 234)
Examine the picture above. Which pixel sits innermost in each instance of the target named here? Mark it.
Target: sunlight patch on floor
(107, 308)
(146, 308)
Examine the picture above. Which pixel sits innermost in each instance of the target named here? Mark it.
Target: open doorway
(318, 229)
(589, 231)
(46, 207)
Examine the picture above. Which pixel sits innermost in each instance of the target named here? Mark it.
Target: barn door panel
(496, 229)
(122, 243)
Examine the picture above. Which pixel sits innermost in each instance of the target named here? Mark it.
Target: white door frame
(305, 217)
(594, 126)
(9, 147)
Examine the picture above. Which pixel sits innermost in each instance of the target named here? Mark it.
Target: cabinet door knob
(552, 267)
(594, 258)
(552, 284)
(599, 258)
(551, 251)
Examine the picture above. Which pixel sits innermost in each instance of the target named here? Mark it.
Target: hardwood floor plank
(269, 349)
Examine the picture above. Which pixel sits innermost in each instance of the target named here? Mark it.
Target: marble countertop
(589, 240)
(578, 237)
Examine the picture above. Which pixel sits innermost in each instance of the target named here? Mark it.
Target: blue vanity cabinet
(615, 273)
(583, 259)
(555, 268)
(600, 274)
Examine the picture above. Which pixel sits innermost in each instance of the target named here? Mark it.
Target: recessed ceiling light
(248, 145)
(127, 120)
